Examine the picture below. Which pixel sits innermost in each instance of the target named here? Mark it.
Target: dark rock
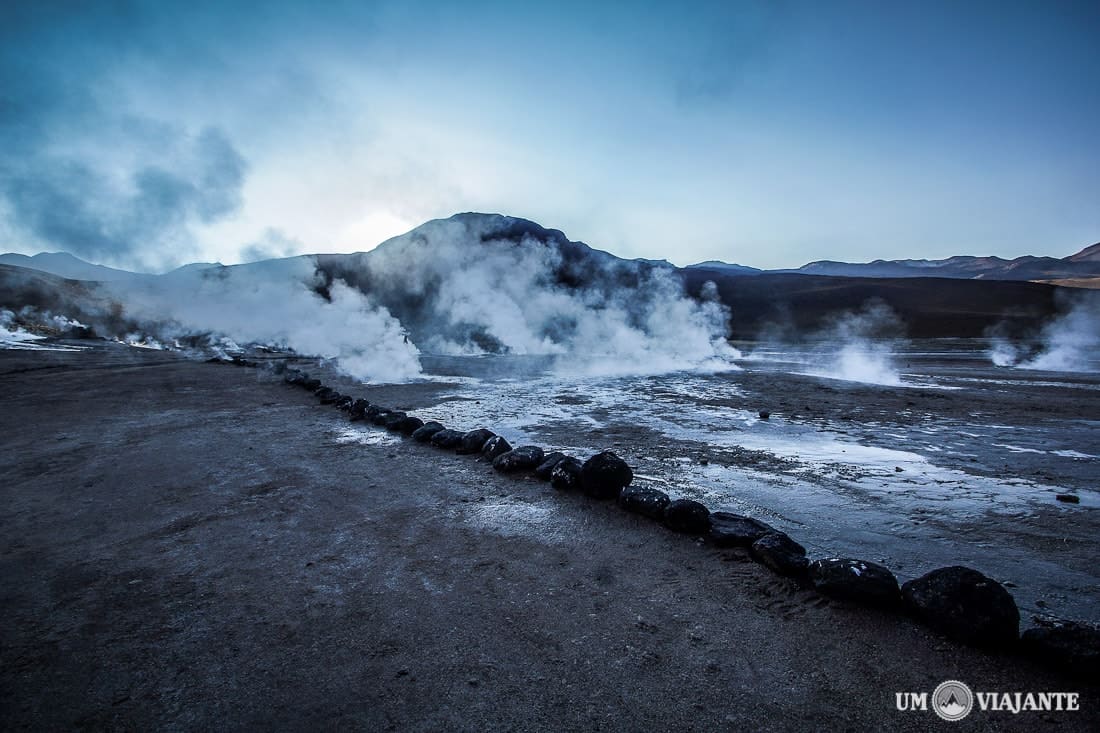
(358, 409)
(780, 553)
(474, 441)
(425, 433)
(1066, 643)
(524, 458)
(1068, 498)
(687, 516)
(733, 530)
(345, 403)
(331, 397)
(393, 420)
(858, 581)
(495, 446)
(293, 376)
(764, 414)
(310, 384)
(379, 417)
(605, 475)
(965, 605)
(408, 425)
(566, 474)
(550, 460)
(447, 438)
(647, 502)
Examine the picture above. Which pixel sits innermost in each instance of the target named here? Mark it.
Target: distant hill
(67, 266)
(448, 277)
(1077, 267)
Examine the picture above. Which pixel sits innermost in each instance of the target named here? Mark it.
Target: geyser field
(167, 512)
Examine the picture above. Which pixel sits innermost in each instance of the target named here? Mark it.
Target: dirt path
(188, 545)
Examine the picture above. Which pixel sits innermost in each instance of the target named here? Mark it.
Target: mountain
(67, 266)
(491, 282)
(1080, 266)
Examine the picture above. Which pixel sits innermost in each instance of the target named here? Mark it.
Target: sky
(151, 134)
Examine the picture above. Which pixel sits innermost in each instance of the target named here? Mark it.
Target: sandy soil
(188, 545)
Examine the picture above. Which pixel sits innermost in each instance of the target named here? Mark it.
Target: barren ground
(188, 545)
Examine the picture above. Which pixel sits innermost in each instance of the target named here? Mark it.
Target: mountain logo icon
(952, 700)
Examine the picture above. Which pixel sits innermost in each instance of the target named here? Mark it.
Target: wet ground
(958, 463)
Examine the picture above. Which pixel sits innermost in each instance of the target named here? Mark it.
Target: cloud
(81, 169)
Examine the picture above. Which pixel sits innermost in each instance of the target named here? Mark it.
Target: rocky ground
(193, 545)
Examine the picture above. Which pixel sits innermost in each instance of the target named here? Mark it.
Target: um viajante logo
(953, 700)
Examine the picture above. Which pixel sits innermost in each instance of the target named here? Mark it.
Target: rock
(379, 417)
(780, 553)
(447, 438)
(544, 469)
(1066, 643)
(358, 409)
(393, 420)
(645, 501)
(409, 425)
(293, 376)
(605, 475)
(310, 384)
(687, 516)
(345, 403)
(424, 433)
(1068, 498)
(858, 581)
(733, 530)
(764, 414)
(965, 605)
(495, 446)
(567, 474)
(474, 441)
(524, 458)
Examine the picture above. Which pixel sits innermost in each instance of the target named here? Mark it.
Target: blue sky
(147, 134)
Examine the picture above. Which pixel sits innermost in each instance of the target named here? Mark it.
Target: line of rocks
(957, 601)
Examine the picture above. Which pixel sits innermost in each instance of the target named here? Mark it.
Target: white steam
(855, 346)
(274, 304)
(507, 296)
(1069, 343)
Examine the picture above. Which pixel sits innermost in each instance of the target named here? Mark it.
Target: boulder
(734, 530)
(780, 553)
(605, 475)
(965, 605)
(495, 446)
(858, 581)
(687, 516)
(474, 441)
(388, 418)
(408, 425)
(567, 474)
(424, 433)
(524, 458)
(310, 384)
(447, 438)
(550, 460)
(645, 501)
(1073, 645)
(358, 409)
(345, 403)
